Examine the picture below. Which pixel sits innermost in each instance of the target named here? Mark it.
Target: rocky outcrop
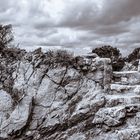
(52, 101)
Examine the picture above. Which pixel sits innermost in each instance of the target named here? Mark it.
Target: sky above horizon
(77, 25)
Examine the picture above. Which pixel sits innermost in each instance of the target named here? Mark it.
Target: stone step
(119, 88)
(113, 116)
(120, 107)
(125, 72)
(127, 77)
(129, 107)
(114, 100)
(131, 133)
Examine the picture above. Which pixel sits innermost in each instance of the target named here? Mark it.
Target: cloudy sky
(77, 25)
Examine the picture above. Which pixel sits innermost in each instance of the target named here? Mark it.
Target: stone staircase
(122, 111)
(125, 84)
(125, 88)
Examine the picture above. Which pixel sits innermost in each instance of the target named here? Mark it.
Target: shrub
(133, 56)
(59, 58)
(12, 54)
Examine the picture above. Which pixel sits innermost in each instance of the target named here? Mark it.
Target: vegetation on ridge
(62, 57)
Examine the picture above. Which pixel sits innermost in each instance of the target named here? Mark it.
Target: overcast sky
(74, 24)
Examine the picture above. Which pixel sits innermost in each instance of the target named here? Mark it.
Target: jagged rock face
(39, 102)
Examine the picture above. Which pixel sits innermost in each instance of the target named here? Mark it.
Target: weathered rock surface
(83, 101)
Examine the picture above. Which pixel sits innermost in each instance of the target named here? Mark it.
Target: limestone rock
(85, 100)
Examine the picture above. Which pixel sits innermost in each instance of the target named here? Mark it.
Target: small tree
(107, 52)
(112, 53)
(6, 35)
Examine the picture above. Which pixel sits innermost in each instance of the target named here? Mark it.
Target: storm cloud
(77, 25)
